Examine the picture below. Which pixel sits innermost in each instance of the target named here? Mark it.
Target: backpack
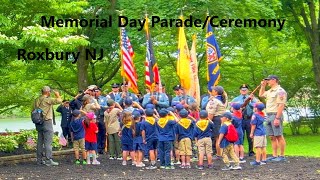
(37, 116)
(232, 134)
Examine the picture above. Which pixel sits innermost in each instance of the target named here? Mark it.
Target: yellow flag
(183, 63)
(195, 87)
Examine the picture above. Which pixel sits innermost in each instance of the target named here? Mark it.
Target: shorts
(152, 144)
(205, 145)
(80, 143)
(185, 148)
(91, 146)
(259, 141)
(138, 146)
(127, 147)
(217, 124)
(271, 129)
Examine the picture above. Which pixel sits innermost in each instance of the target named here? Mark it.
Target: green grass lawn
(306, 144)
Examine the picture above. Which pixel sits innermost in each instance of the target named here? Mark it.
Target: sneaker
(269, 159)
(50, 162)
(210, 166)
(124, 163)
(226, 168)
(251, 153)
(145, 159)
(182, 166)
(158, 159)
(170, 167)
(236, 167)
(187, 167)
(88, 161)
(95, 162)
(119, 158)
(84, 162)
(172, 163)
(151, 167)
(111, 158)
(177, 163)
(41, 162)
(279, 159)
(200, 167)
(133, 163)
(162, 167)
(215, 157)
(255, 163)
(263, 162)
(242, 160)
(77, 161)
(140, 165)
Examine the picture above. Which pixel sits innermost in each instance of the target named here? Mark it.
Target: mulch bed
(293, 168)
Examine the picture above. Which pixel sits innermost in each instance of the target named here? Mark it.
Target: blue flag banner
(213, 58)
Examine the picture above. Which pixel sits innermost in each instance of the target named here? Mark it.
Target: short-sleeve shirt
(111, 120)
(88, 108)
(274, 97)
(258, 119)
(90, 132)
(215, 106)
(223, 130)
(45, 103)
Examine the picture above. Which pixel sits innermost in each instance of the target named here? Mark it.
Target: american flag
(128, 71)
(152, 71)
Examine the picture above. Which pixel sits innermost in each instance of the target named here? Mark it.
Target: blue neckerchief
(219, 97)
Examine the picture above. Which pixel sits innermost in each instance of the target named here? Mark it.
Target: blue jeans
(164, 150)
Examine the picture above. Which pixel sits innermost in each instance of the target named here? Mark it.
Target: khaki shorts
(78, 144)
(205, 145)
(185, 147)
(259, 141)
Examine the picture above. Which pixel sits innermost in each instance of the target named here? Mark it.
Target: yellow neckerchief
(228, 122)
(162, 122)
(128, 125)
(170, 117)
(150, 120)
(185, 122)
(202, 124)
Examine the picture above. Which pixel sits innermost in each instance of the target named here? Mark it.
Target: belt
(271, 113)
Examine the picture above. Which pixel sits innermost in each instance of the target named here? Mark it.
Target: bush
(8, 143)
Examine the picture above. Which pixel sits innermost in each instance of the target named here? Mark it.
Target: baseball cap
(149, 106)
(203, 114)
(183, 113)
(76, 112)
(272, 77)
(90, 115)
(260, 106)
(228, 115)
(128, 101)
(136, 114)
(124, 84)
(244, 87)
(179, 107)
(46, 89)
(86, 97)
(92, 87)
(235, 105)
(170, 109)
(163, 112)
(110, 102)
(219, 89)
(149, 112)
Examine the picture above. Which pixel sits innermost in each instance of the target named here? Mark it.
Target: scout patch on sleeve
(282, 94)
(253, 117)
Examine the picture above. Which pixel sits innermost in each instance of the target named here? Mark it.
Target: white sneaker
(237, 167)
(95, 162)
(133, 163)
(145, 159)
(124, 163)
(111, 158)
(88, 162)
(119, 158)
(140, 165)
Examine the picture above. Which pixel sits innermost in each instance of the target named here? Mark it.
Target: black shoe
(252, 153)
(100, 152)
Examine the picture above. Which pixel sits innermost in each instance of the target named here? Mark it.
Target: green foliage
(8, 143)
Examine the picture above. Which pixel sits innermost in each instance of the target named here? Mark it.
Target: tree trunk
(82, 67)
(316, 64)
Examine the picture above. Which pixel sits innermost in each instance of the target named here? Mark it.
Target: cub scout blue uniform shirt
(138, 137)
(162, 98)
(223, 130)
(165, 129)
(203, 129)
(184, 128)
(204, 101)
(150, 128)
(258, 119)
(76, 127)
(126, 135)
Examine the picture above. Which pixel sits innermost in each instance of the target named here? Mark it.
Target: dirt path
(294, 168)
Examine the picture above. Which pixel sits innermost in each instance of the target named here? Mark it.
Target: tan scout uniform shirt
(274, 96)
(215, 107)
(88, 108)
(45, 103)
(112, 121)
